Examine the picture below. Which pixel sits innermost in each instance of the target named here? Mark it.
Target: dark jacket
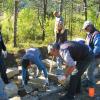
(2, 45)
(78, 51)
(61, 37)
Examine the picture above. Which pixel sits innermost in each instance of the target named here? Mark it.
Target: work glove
(61, 79)
(5, 54)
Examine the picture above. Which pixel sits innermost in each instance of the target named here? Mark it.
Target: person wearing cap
(3, 54)
(32, 56)
(93, 40)
(77, 58)
(60, 37)
(93, 37)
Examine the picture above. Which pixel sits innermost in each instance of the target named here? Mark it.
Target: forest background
(30, 23)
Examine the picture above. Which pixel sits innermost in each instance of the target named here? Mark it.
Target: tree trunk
(44, 18)
(71, 19)
(85, 8)
(15, 22)
(1, 5)
(61, 7)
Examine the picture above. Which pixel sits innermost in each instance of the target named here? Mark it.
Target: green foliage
(28, 26)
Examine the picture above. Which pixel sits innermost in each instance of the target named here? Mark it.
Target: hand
(5, 54)
(61, 79)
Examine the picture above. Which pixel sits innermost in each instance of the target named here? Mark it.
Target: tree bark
(61, 7)
(85, 8)
(15, 22)
(44, 18)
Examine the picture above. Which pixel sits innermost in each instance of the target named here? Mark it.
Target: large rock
(11, 72)
(49, 63)
(11, 89)
(15, 98)
(38, 83)
(55, 79)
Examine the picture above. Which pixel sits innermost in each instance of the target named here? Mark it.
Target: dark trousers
(3, 71)
(75, 79)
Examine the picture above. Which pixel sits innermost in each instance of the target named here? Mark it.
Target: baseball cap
(52, 46)
(86, 23)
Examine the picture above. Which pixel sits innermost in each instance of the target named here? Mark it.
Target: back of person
(32, 54)
(62, 37)
(77, 50)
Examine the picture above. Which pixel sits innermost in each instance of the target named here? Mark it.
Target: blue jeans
(90, 73)
(24, 75)
(40, 65)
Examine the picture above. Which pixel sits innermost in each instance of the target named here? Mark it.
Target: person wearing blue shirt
(32, 56)
(93, 40)
(93, 37)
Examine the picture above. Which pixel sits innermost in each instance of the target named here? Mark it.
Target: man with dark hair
(2, 66)
(77, 58)
(32, 56)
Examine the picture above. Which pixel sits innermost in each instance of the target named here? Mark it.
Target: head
(53, 49)
(88, 26)
(56, 13)
(25, 63)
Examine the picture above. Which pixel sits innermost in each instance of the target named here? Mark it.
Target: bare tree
(44, 18)
(15, 22)
(85, 8)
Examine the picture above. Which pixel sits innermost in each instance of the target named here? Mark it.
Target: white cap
(52, 46)
(86, 23)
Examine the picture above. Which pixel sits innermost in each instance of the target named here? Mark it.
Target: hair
(25, 62)
(55, 12)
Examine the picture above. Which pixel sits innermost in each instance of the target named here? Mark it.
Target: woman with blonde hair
(60, 37)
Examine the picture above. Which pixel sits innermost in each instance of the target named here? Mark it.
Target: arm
(2, 43)
(69, 71)
(96, 43)
(69, 62)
